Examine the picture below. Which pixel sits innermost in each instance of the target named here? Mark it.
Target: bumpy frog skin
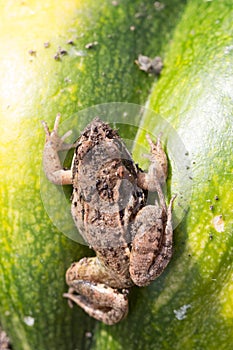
(132, 240)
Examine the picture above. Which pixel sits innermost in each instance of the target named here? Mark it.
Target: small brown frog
(132, 240)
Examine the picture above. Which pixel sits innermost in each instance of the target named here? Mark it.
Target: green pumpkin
(190, 305)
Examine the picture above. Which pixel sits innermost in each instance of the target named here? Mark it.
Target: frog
(132, 239)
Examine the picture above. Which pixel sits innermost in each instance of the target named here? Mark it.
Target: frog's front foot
(157, 172)
(99, 301)
(158, 160)
(51, 162)
(54, 139)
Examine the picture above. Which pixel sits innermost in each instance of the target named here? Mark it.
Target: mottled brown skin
(132, 241)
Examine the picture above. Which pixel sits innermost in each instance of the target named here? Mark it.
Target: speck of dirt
(4, 341)
(159, 6)
(181, 313)
(88, 335)
(149, 65)
(218, 223)
(32, 52)
(91, 45)
(62, 51)
(57, 57)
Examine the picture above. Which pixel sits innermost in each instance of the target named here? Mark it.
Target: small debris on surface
(181, 313)
(88, 335)
(91, 45)
(4, 341)
(32, 52)
(159, 5)
(29, 321)
(228, 49)
(150, 65)
(57, 57)
(218, 223)
(70, 42)
(60, 52)
(47, 44)
(67, 80)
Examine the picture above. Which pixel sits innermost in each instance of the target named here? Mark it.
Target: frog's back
(106, 197)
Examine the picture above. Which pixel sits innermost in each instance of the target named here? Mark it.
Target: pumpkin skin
(38, 80)
(190, 305)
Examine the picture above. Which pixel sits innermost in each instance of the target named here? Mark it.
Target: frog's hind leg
(165, 253)
(99, 301)
(86, 279)
(152, 245)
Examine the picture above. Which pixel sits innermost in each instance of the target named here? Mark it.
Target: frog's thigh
(99, 301)
(151, 246)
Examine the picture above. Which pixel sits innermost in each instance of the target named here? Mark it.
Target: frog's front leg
(51, 162)
(157, 173)
(152, 245)
(97, 299)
